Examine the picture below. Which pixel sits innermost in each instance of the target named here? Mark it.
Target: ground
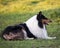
(18, 11)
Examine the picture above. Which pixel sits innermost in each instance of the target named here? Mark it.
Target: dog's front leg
(50, 37)
(45, 35)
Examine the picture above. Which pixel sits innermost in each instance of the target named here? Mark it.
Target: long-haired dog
(35, 27)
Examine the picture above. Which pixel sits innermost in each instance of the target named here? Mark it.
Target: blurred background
(14, 12)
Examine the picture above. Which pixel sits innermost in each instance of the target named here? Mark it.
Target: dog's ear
(40, 12)
(39, 15)
(39, 18)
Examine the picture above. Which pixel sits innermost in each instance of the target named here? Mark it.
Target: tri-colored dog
(33, 28)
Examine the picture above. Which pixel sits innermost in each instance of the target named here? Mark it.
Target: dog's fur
(35, 28)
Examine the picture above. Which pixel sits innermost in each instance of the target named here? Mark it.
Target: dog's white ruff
(32, 24)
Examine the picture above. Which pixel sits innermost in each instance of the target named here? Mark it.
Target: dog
(33, 28)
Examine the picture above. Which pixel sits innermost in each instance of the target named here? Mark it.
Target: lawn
(15, 12)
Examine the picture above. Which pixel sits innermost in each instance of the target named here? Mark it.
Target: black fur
(29, 34)
(40, 16)
(12, 29)
(18, 28)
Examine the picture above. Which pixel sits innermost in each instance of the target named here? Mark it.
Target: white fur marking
(32, 24)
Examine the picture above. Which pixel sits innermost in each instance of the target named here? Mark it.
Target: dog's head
(42, 20)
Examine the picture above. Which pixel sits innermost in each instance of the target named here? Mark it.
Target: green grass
(16, 18)
(30, 44)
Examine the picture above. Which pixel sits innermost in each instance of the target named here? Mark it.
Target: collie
(33, 28)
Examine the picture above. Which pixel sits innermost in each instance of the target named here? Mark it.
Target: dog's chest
(32, 24)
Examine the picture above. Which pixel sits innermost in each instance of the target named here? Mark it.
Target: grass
(16, 18)
(30, 44)
(18, 11)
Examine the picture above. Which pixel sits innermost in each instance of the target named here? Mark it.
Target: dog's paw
(53, 37)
